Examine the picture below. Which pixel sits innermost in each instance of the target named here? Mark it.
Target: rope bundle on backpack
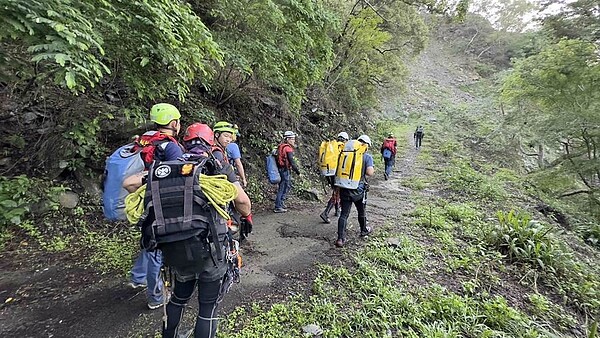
(219, 191)
(134, 204)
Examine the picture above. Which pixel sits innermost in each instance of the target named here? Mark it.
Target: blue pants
(146, 270)
(284, 187)
(389, 165)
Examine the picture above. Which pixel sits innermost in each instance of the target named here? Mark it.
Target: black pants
(206, 322)
(418, 139)
(343, 220)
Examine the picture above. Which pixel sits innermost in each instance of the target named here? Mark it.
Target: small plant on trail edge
(524, 240)
(17, 195)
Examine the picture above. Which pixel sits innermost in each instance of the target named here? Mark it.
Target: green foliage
(558, 90)
(167, 46)
(15, 198)
(84, 135)
(110, 251)
(590, 232)
(367, 52)
(461, 177)
(286, 45)
(524, 240)
(406, 256)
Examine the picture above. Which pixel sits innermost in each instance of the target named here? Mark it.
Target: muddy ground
(54, 299)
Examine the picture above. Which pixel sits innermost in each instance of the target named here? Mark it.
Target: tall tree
(579, 19)
(557, 93)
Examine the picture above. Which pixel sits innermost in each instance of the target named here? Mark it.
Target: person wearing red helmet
(198, 141)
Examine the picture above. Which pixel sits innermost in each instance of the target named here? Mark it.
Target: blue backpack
(387, 153)
(272, 170)
(123, 163)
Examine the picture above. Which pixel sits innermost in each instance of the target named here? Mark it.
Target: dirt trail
(66, 301)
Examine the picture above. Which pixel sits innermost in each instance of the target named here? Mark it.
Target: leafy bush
(156, 46)
(524, 240)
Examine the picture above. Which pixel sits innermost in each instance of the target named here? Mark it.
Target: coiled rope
(217, 189)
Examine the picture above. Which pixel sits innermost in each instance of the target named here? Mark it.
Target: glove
(246, 226)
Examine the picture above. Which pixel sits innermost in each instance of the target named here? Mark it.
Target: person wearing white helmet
(285, 163)
(334, 201)
(356, 197)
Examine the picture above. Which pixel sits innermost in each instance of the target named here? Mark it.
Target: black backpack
(178, 218)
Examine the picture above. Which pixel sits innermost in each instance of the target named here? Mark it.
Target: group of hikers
(180, 197)
(183, 196)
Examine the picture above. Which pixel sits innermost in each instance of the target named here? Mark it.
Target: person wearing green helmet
(224, 133)
(146, 269)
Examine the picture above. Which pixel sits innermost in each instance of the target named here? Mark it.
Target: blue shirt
(172, 151)
(233, 152)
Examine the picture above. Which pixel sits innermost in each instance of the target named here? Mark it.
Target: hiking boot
(135, 285)
(385, 176)
(340, 242)
(324, 217)
(366, 232)
(279, 210)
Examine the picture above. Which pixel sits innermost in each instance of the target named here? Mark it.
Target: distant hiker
(146, 269)
(285, 163)
(200, 251)
(336, 148)
(388, 151)
(354, 167)
(235, 157)
(418, 136)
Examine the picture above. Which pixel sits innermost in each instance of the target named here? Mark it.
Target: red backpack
(282, 160)
(149, 143)
(389, 144)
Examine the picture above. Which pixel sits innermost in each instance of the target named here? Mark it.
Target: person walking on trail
(213, 277)
(146, 269)
(235, 157)
(388, 151)
(418, 136)
(356, 197)
(334, 201)
(285, 163)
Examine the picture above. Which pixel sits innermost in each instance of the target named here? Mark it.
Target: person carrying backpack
(388, 151)
(418, 136)
(146, 269)
(194, 258)
(334, 201)
(353, 189)
(285, 163)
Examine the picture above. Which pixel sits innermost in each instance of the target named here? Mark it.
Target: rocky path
(66, 301)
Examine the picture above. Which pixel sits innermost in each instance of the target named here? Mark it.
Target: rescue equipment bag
(178, 217)
(128, 160)
(350, 165)
(328, 157)
(272, 169)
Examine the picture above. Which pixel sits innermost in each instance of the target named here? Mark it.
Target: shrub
(524, 240)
